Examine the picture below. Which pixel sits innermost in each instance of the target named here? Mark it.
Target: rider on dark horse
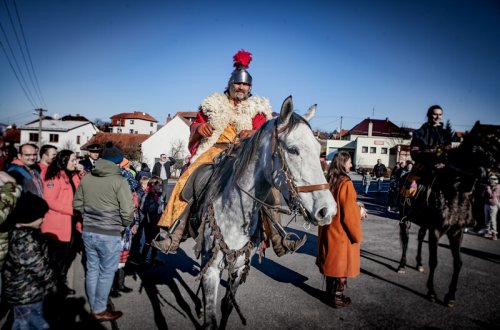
(429, 148)
(221, 121)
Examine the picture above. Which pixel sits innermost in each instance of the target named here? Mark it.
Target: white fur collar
(220, 113)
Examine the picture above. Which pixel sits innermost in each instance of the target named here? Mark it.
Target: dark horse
(446, 208)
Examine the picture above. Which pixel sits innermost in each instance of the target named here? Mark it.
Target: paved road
(283, 293)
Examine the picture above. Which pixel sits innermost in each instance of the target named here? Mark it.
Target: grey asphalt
(284, 293)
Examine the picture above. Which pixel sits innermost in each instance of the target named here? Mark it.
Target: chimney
(370, 128)
(168, 119)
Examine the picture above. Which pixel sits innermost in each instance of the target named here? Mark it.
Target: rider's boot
(170, 242)
(279, 238)
(282, 245)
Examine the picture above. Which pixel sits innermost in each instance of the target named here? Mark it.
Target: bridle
(294, 202)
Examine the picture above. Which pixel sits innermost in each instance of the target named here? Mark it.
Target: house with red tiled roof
(136, 122)
(373, 139)
(129, 143)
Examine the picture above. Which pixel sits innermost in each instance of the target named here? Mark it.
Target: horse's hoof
(420, 269)
(449, 302)
(401, 270)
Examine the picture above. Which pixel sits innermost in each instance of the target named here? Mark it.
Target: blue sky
(355, 59)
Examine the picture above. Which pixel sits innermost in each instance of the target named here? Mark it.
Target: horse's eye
(293, 150)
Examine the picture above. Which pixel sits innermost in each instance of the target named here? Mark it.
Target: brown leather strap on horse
(314, 187)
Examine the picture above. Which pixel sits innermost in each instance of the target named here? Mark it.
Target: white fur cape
(220, 113)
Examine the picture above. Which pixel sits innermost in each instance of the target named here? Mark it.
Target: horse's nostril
(321, 214)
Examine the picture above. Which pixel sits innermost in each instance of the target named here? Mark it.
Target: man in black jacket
(162, 170)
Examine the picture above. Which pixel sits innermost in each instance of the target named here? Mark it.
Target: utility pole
(340, 132)
(39, 112)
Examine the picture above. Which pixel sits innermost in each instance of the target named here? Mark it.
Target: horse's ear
(310, 113)
(286, 110)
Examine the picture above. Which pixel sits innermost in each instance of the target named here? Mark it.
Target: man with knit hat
(105, 201)
(223, 119)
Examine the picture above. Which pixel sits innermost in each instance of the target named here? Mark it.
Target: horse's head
(480, 148)
(297, 169)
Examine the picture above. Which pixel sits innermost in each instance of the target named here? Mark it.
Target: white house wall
(174, 133)
(139, 126)
(367, 149)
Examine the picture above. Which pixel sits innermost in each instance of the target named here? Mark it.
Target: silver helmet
(240, 74)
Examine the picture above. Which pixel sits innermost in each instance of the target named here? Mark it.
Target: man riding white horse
(222, 120)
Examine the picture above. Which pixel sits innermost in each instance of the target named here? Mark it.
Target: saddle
(197, 182)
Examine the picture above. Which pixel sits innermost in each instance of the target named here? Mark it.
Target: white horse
(283, 154)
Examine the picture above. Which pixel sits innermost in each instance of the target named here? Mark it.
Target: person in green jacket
(105, 201)
(9, 193)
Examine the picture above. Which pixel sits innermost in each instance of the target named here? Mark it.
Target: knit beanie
(112, 153)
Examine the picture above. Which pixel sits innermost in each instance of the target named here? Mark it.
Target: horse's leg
(455, 243)
(227, 303)
(404, 233)
(421, 235)
(433, 261)
(210, 285)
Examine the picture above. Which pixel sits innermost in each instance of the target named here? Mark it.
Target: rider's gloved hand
(205, 130)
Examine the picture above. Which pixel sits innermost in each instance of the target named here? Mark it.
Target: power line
(27, 93)
(28, 52)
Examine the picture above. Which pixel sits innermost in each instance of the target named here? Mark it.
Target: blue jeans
(29, 316)
(103, 256)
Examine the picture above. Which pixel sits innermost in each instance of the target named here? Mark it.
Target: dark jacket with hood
(105, 200)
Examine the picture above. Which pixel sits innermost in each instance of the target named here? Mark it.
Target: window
(150, 124)
(118, 130)
(131, 131)
(78, 139)
(33, 137)
(373, 150)
(383, 151)
(136, 132)
(131, 122)
(54, 138)
(364, 150)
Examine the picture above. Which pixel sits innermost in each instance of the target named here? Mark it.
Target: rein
(294, 202)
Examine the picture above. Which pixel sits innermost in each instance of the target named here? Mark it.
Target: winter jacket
(27, 275)
(58, 193)
(29, 179)
(9, 193)
(105, 200)
(379, 170)
(430, 144)
(492, 195)
(339, 242)
(167, 164)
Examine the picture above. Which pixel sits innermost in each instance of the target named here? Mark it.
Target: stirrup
(298, 242)
(164, 243)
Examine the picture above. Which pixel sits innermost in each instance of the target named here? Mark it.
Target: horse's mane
(233, 165)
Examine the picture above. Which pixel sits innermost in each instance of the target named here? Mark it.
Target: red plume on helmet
(242, 59)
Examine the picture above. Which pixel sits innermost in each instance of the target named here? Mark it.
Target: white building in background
(370, 140)
(64, 134)
(133, 123)
(172, 139)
